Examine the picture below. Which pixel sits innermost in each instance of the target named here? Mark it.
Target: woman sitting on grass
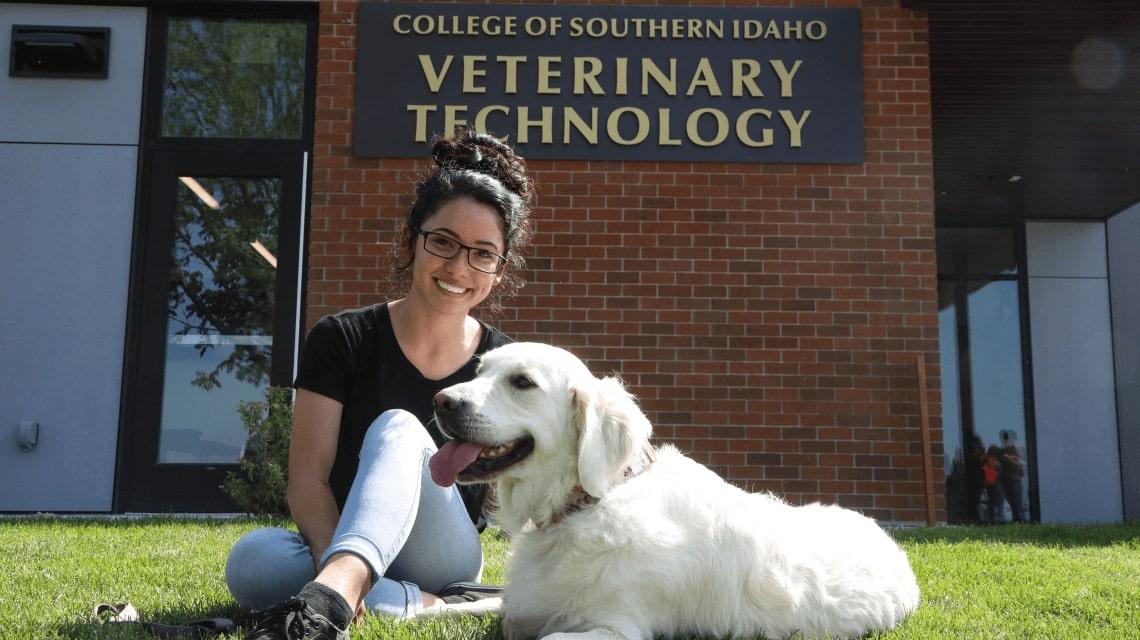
(376, 534)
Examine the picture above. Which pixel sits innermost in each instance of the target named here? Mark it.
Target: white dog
(611, 539)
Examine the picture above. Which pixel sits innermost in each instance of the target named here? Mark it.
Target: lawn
(1018, 581)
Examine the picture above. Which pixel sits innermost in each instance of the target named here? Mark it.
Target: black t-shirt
(353, 358)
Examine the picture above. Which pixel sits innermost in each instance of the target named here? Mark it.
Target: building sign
(613, 82)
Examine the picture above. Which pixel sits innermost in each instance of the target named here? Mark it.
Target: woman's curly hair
(480, 166)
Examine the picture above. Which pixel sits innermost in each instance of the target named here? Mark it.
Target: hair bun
(483, 153)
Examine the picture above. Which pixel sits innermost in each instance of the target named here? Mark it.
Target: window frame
(134, 472)
(152, 138)
(961, 323)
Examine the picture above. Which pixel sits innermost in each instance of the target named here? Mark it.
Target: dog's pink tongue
(454, 456)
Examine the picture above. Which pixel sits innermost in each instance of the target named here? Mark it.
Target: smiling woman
(363, 427)
(489, 173)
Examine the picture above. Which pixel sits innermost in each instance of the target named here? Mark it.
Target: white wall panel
(1066, 250)
(1078, 452)
(68, 110)
(65, 255)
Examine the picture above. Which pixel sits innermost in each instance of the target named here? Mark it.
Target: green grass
(1022, 581)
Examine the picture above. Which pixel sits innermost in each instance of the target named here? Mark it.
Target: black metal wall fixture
(59, 52)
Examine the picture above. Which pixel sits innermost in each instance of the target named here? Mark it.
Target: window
(227, 136)
(228, 78)
(984, 415)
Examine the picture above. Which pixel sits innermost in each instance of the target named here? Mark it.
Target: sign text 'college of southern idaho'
(613, 82)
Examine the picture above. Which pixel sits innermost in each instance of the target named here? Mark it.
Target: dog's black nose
(447, 404)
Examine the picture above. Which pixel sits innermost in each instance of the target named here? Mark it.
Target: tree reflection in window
(234, 79)
(222, 280)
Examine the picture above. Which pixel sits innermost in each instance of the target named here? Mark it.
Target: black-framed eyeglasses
(447, 247)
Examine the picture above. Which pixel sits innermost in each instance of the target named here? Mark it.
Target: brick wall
(766, 315)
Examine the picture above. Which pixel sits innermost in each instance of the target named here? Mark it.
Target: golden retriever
(613, 539)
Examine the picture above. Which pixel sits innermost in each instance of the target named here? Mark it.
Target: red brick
(758, 310)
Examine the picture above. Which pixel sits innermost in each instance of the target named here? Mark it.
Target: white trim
(300, 265)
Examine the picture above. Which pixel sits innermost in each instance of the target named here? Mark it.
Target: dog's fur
(673, 550)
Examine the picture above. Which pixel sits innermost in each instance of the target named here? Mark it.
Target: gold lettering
(470, 72)
(695, 134)
(595, 27)
(621, 76)
(396, 24)
(744, 72)
(704, 77)
(535, 26)
(481, 116)
(421, 111)
(588, 130)
(512, 63)
(583, 77)
(663, 138)
(742, 128)
(642, 126)
(422, 24)
(434, 78)
(546, 123)
(451, 119)
(492, 25)
(785, 75)
(546, 73)
(668, 83)
(795, 127)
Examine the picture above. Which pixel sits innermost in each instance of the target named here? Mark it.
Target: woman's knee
(397, 428)
(268, 565)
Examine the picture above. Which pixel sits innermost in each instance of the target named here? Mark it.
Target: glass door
(213, 313)
(220, 307)
(986, 412)
(219, 313)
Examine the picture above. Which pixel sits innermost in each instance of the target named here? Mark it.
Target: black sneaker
(460, 592)
(294, 619)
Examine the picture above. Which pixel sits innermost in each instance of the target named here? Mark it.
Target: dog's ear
(611, 430)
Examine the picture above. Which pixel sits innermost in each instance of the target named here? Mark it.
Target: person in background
(376, 534)
(991, 469)
(1012, 471)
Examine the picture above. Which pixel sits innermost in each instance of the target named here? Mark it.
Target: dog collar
(579, 499)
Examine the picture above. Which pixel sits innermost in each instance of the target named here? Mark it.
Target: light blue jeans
(411, 532)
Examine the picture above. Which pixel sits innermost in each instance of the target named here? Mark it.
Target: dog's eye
(522, 382)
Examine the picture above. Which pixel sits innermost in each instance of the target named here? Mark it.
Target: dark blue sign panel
(698, 84)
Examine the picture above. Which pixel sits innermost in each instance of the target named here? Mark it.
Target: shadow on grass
(1042, 535)
(90, 629)
(487, 627)
(143, 520)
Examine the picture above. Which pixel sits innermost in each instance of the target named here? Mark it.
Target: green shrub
(258, 487)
